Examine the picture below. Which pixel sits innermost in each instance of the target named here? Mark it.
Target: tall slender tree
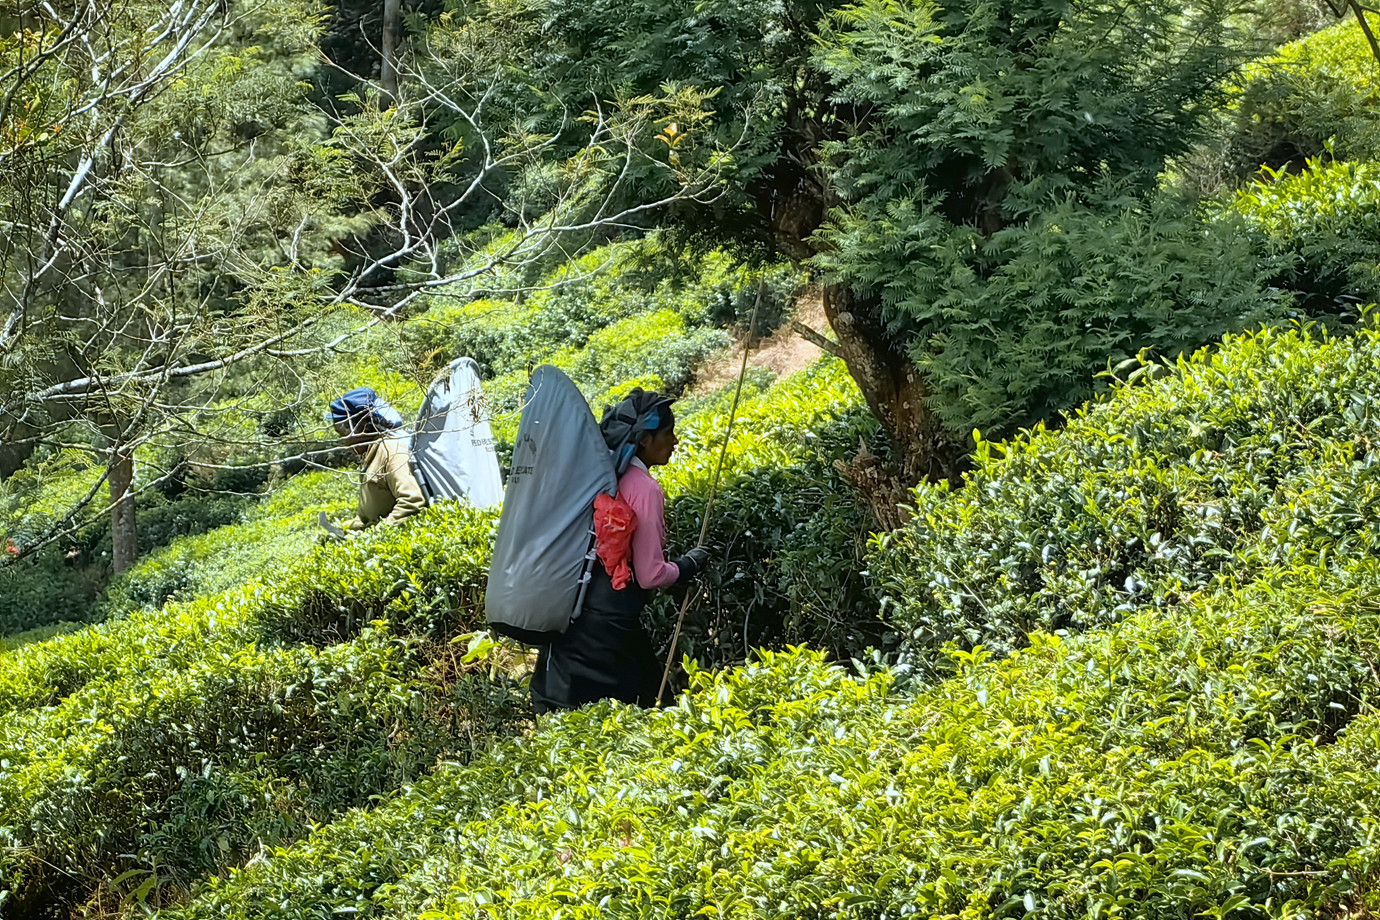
(183, 225)
(388, 67)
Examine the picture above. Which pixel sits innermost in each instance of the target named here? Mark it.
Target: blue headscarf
(364, 410)
(642, 412)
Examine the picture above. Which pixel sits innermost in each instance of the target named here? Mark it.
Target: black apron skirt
(604, 654)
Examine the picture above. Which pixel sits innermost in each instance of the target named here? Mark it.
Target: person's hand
(692, 563)
(700, 556)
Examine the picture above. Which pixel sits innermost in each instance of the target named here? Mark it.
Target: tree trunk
(388, 70)
(797, 204)
(893, 388)
(124, 536)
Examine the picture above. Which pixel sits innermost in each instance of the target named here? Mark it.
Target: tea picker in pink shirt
(606, 653)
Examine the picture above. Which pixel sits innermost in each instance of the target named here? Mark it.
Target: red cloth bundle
(614, 523)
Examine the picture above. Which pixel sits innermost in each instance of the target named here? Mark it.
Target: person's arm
(649, 539)
(407, 492)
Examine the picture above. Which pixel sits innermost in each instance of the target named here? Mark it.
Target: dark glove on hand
(692, 563)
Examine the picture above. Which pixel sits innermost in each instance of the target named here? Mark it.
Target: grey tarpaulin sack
(560, 462)
(452, 447)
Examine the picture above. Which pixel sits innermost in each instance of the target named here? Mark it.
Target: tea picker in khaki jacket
(388, 491)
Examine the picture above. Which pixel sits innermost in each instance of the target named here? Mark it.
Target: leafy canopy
(1000, 199)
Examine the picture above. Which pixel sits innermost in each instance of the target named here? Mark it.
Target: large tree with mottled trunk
(976, 181)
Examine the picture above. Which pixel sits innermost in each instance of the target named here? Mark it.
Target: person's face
(357, 440)
(656, 449)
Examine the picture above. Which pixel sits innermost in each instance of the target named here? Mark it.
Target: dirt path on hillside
(783, 352)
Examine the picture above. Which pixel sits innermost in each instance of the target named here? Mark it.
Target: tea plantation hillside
(144, 755)
(1192, 733)
(1123, 663)
(1137, 677)
(635, 312)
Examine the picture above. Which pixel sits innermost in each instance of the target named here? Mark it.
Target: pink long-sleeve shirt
(644, 495)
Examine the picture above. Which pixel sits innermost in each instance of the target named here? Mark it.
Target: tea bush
(788, 534)
(426, 576)
(174, 743)
(489, 331)
(1322, 224)
(75, 705)
(189, 770)
(1212, 755)
(45, 589)
(730, 304)
(563, 308)
(37, 634)
(195, 543)
(1184, 765)
(657, 343)
(570, 304)
(43, 674)
(161, 520)
(654, 348)
(279, 528)
(1314, 95)
(1253, 455)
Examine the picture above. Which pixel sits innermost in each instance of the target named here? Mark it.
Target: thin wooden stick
(713, 487)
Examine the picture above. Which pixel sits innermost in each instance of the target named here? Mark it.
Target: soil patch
(783, 352)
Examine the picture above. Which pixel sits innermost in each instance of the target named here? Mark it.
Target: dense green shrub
(657, 343)
(788, 534)
(44, 589)
(1012, 328)
(191, 663)
(731, 306)
(1175, 767)
(192, 769)
(280, 527)
(1255, 455)
(162, 520)
(178, 635)
(1318, 94)
(194, 542)
(189, 515)
(489, 331)
(38, 634)
(568, 306)
(652, 349)
(177, 742)
(48, 586)
(425, 576)
(1322, 224)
